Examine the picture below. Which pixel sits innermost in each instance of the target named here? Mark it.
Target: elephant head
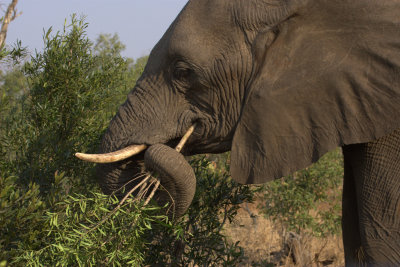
(277, 82)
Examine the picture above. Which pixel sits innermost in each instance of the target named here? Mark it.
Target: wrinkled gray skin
(279, 83)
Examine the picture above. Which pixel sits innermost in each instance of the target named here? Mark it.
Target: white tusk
(127, 151)
(113, 156)
(185, 138)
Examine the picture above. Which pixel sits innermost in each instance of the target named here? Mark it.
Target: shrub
(198, 238)
(52, 212)
(308, 200)
(62, 228)
(63, 112)
(71, 97)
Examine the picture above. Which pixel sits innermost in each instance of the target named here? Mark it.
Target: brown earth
(267, 244)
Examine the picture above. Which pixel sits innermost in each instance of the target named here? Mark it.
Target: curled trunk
(142, 123)
(176, 176)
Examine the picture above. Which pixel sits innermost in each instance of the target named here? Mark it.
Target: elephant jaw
(175, 174)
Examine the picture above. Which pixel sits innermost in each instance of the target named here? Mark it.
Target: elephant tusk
(185, 138)
(113, 156)
(128, 151)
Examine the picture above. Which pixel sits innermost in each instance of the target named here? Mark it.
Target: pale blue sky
(139, 23)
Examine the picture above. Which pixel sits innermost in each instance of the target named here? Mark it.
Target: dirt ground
(266, 244)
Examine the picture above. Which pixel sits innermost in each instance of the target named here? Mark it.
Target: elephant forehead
(205, 11)
(201, 24)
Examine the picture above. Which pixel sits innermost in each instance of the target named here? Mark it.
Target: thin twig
(140, 175)
(148, 186)
(143, 190)
(119, 204)
(170, 196)
(152, 192)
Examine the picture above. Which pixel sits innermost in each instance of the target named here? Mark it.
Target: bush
(63, 228)
(198, 239)
(69, 90)
(70, 236)
(309, 200)
(52, 212)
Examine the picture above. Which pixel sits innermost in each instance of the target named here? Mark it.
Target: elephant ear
(330, 78)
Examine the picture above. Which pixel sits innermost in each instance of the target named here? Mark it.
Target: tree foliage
(309, 200)
(50, 205)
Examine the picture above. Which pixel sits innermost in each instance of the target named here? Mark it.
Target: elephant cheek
(176, 177)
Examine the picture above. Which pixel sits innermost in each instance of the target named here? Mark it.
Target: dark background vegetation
(59, 101)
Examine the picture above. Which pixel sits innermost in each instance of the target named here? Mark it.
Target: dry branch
(10, 15)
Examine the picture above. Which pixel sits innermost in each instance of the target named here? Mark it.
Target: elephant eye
(181, 73)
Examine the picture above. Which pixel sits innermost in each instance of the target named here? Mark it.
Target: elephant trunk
(176, 176)
(114, 175)
(133, 122)
(178, 181)
(145, 119)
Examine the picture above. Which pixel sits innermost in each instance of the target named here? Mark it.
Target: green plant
(62, 112)
(308, 200)
(50, 205)
(56, 228)
(198, 238)
(13, 55)
(61, 226)
(59, 112)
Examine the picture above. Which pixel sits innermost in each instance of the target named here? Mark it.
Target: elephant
(278, 83)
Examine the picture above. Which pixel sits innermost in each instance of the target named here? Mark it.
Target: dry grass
(267, 244)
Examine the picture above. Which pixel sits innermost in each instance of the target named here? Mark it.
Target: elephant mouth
(174, 174)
